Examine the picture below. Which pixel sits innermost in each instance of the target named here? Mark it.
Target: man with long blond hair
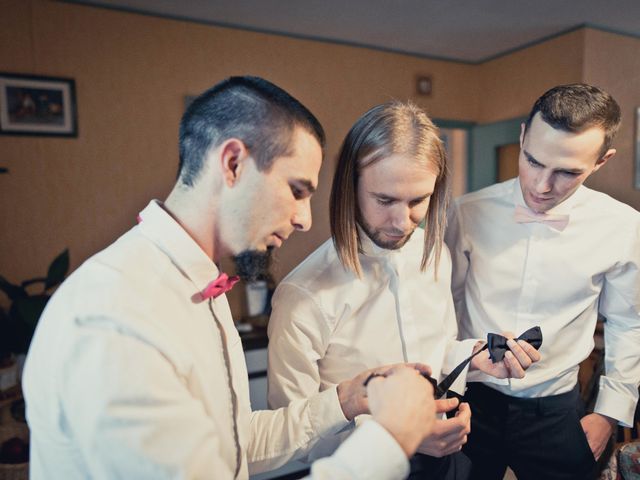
(379, 290)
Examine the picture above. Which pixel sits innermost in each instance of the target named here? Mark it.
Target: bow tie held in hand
(497, 344)
(220, 285)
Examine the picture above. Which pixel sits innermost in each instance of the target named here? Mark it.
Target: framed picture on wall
(637, 149)
(35, 105)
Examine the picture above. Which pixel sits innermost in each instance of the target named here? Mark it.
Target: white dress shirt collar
(392, 257)
(166, 233)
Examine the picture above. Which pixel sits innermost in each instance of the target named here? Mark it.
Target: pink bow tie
(525, 215)
(220, 285)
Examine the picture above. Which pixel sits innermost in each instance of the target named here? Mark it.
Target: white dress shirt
(132, 375)
(510, 276)
(327, 325)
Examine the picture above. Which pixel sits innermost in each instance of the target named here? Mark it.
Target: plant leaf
(12, 291)
(29, 309)
(57, 270)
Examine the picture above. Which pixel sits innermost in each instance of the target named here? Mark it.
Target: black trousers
(452, 467)
(539, 438)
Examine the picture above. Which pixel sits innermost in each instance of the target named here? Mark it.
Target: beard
(376, 236)
(252, 265)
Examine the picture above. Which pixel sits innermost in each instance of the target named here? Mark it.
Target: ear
(604, 159)
(233, 154)
(522, 130)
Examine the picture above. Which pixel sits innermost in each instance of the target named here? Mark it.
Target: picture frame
(37, 105)
(637, 149)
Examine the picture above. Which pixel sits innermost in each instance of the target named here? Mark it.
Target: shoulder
(321, 268)
(125, 290)
(130, 285)
(490, 206)
(487, 195)
(601, 203)
(606, 215)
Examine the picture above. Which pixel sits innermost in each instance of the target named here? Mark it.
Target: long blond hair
(389, 129)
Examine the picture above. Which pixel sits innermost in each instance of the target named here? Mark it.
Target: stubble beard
(376, 237)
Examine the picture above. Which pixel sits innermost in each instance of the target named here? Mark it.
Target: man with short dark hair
(544, 250)
(136, 369)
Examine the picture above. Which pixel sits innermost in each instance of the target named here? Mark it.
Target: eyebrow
(531, 158)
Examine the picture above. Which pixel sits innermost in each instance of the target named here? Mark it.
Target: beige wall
(510, 84)
(132, 72)
(613, 63)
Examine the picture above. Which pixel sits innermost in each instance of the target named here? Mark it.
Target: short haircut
(386, 130)
(257, 112)
(577, 107)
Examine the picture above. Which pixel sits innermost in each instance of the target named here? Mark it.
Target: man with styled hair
(136, 369)
(542, 249)
(378, 291)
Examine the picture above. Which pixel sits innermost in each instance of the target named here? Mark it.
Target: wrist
(407, 440)
(344, 400)
(612, 421)
(474, 361)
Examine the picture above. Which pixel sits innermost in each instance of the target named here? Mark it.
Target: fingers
(519, 353)
(530, 350)
(441, 448)
(454, 442)
(386, 369)
(453, 428)
(520, 357)
(513, 365)
(372, 378)
(448, 436)
(421, 367)
(446, 405)
(402, 402)
(464, 414)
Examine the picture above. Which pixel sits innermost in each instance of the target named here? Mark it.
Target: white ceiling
(463, 30)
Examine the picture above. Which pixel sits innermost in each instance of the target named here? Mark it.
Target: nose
(302, 218)
(544, 183)
(402, 218)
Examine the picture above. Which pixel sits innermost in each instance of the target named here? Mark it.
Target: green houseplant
(27, 301)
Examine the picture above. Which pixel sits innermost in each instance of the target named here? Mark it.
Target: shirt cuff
(370, 453)
(617, 400)
(325, 412)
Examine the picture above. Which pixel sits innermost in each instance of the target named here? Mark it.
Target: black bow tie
(497, 346)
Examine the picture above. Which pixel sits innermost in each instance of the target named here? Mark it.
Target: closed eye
(301, 189)
(418, 201)
(533, 162)
(297, 192)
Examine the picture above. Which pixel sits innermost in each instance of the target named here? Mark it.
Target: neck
(196, 215)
